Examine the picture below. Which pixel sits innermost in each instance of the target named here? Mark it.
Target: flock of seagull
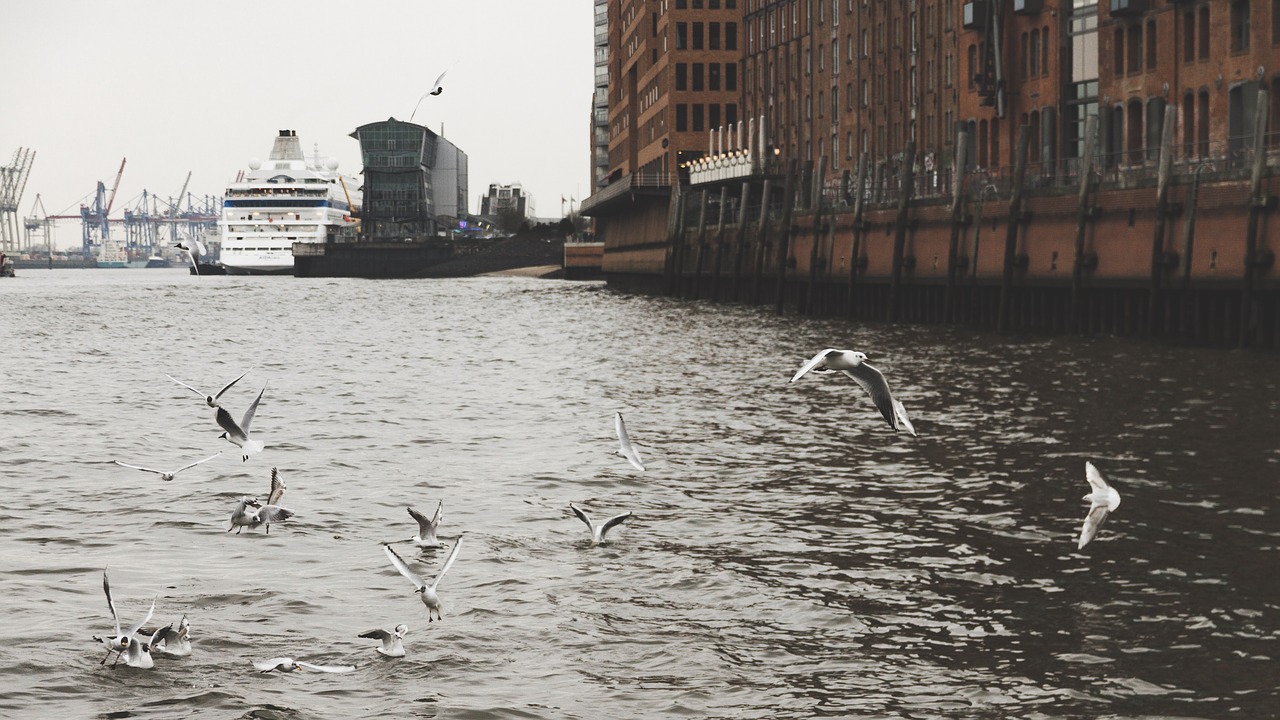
(136, 645)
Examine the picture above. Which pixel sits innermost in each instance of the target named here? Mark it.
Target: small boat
(155, 261)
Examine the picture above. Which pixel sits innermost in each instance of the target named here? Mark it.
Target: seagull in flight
(1102, 501)
(120, 642)
(239, 434)
(250, 513)
(436, 89)
(854, 364)
(625, 448)
(210, 400)
(426, 537)
(169, 475)
(598, 531)
(392, 643)
(195, 250)
(425, 591)
(288, 664)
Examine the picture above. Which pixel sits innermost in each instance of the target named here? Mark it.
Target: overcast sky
(203, 87)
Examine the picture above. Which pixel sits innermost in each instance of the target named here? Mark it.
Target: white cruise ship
(284, 201)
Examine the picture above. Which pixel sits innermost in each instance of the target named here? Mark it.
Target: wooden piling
(1257, 203)
(719, 254)
(1011, 232)
(1162, 212)
(906, 183)
(762, 242)
(784, 236)
(855, 248)
(1083, 214)
(957, 224)
(815, 213)
(740, 240)
(675, 240)
(702, 238)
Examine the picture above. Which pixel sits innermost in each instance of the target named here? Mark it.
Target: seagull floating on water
(120, 642)
(854, 364)
(210, 400)
(239, 434)
(425, 591)
(287, 664)
(176, 643)
(1103, 500)
(250, 513)
(436, 89)
(392, 643)
(625, 448)
(426, 537)
(598, 531)
(169, 475)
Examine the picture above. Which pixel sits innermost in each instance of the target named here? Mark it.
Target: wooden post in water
(762, 240)
(957, 218)
(1257, 203)
(906, 182)
(815, 212)
(1162, 211)
(702, 239)
(740, 240)
(675, 240)
(715, 277)
(1188, 245)
(1011, 232)
(1083, 213)
(784, 237)
(859, 202)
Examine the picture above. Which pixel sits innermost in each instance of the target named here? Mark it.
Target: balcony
(1028, 7)
(1129, 7)
(975, 15)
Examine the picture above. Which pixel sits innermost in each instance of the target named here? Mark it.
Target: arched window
(973, 65)
(1133, 131)
(1202, 123)
(1044, 50)
(982, 143)
(1189, 124)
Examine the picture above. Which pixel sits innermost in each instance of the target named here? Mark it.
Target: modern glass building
(415, 182)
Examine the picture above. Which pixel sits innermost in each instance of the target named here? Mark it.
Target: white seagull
(425, 591)
(195, 250)
(598, 531)
(250, 513)
(625, 448)
(436, 89)
(119, 643)
(169, 474)
(854, 364)
(426, 537)
(392, 643)
(1103, 500)
(176, 643)
(239, 434)
(210, 400)
(287, 664)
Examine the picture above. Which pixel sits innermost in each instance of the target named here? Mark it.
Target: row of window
(689, 76)
(713, 36)
(704, 117)
(710, 4)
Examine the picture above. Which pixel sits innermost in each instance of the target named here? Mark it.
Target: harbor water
(789, 556)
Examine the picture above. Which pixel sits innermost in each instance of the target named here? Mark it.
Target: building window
(973, 65)
(697, 118)
(1135, 48)
(682, 117)
(1134, 131)
(697, 77)
(713, 76)
(1202, 28)
(848, 96)
(1033, 56)
(1117, 59)
(682, 36)
(682, 80)
(730, 76)
(713, 116)
(1202, 126)
(1189, 35)
(731, 36)
(697, 36)
(730, 113)
(1275, 22)
(822, 111)
(713, 36)
(1151, 45)
(1188, 124)
(1044, 51)
(1239, 26)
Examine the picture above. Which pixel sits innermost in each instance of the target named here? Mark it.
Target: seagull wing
(1092, 522)
(273, 513)
(439, 513)
(272, 664)
(583, 516)
(615, 520)
(1094, 477)
(415, 107)
(403, 568)
(253, 408)
(228, 385)
(106, 588)
(874, 383)
(901, 413)
(228, 423)
(134, 630)
(200, 248)
(628, 450)
(424, 524)
(814, 362)
(325, 668)
(138, 467)
(184, 467)
(277, 488)
(185, 385)
(435, 85)
(164, 634)
(448, 562)
(382, 635)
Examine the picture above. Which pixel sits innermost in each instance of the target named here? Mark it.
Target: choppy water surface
(789, 555)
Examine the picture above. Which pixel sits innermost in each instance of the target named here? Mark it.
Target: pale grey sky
(203, 87)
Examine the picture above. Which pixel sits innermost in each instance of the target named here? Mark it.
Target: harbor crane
(13, 180)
